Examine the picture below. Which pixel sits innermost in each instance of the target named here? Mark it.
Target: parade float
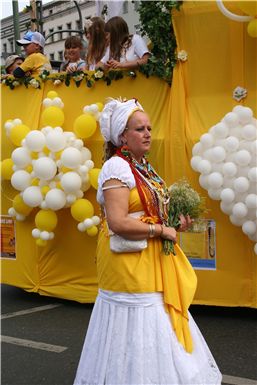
(204, 129)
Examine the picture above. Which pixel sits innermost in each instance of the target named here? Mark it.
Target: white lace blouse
(114, 168)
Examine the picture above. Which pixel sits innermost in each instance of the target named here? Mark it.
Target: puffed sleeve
(115, 168)
(140, 46)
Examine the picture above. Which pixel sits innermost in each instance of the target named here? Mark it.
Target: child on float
(95, 34)
(73, 46)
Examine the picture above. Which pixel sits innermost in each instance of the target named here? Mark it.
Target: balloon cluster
(249, 8)
(52, 169)
(226, 158)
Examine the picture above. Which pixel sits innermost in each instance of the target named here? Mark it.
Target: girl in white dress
(95, 34)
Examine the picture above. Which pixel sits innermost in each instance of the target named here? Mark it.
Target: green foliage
(155, 18)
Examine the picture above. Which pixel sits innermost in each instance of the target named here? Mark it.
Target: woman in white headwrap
(140, 330)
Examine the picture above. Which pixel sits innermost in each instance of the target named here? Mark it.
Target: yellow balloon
(100, 106)
(51, 94)
(20, 206)
(46, 220)
(93, 177)
(82, 209)
(18, 133)
(41, 242)
(248, 7)
(252, 28)
(7, 169)
(92, 231)
(52, 116)
(84, 126)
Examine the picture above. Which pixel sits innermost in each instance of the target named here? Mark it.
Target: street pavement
(42, 339)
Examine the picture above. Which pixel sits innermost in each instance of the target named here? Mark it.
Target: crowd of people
(110, 45)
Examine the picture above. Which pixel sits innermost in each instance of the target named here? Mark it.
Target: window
(60, 55)
(68, 27)
(51, 56)
(11, 46)
(125, 7)
(5, 47)
(51, 30)
(78, 25)
(50, 12)
(60, 33)
(136, 5)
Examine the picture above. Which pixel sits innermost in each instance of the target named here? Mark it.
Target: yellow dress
(150, 271)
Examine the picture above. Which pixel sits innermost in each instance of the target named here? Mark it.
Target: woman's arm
(119, 221)
(128, 64)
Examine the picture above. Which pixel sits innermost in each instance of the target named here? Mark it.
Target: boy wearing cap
(12, 62)
(35, 62)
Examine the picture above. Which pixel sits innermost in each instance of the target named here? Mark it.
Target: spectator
(35, 62)
(73, 45)
(94, 32)
(12, 62)
(124, 50)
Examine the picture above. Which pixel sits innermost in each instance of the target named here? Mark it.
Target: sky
(6, 6)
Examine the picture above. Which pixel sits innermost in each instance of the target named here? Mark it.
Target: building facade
(60, 20)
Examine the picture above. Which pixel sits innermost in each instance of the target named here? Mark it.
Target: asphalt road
(42, 339)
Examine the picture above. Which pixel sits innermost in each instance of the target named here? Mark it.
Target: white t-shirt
(136, 51)
(114, 168)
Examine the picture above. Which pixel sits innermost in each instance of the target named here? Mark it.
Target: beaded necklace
(152, 190)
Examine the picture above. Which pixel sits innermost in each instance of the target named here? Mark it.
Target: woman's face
(138, 134)
(31, 48)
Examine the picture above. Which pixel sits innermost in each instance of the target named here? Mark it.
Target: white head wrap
(114, 117)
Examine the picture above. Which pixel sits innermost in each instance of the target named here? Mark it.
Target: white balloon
(251, 201)
(95, 220)
(214, 194)
(35, 140)
(253, 147)
(83, 169)
(32, 196)
(20, 180)
(255, 248)
(45, 130)
(217, 167)
(245, 115)
(241, 184)
(197, 149)
(249, 227)
(85, 154)
(55, 199)
(204, 167)
(253, 237)
(227, 195)
(8, 125)
(45, 168)
(21, 157)
(70, 198)
(79, 194)
(55, 141)
(249, 132)
(215, 180)
(51, 235)
(203, 181)
(230, 14)
(236, 131)
(88, 223)
(68, 135)
(35, 233)
(20, 217)
(47, 102)
(78, 144)
(226, 207)
(236, 220)
(243, 171)
(229, 169)
(219, 154)
(89, 163)
(252, 174)
(12, 212)
(81, 227)
(242, 157)
(228, 183)
(207, 140)
(71, 157)
(195, 162)
(231, 119)
(45, 235)
(239, 210)
(208, 154)
(231, 143)
(16, 121)
(220, 130)
(71, 182)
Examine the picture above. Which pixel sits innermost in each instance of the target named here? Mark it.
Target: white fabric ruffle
(114, 168)
(130, 340)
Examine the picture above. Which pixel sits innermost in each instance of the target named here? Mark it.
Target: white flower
(57, 82)
(99, 74)
(34, 83)
(15, 83)
(239, 93)
(182, 55)
(79, 77)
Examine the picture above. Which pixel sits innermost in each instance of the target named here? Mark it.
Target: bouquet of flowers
(183, 200)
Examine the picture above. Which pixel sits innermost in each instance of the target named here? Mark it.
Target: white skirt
(130, 340)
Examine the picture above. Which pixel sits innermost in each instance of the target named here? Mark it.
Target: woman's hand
(169, 233)
(113, 64)
(72, 67)
(185, 222)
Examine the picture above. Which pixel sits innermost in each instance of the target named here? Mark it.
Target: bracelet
(151, 230)
(161, 231)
